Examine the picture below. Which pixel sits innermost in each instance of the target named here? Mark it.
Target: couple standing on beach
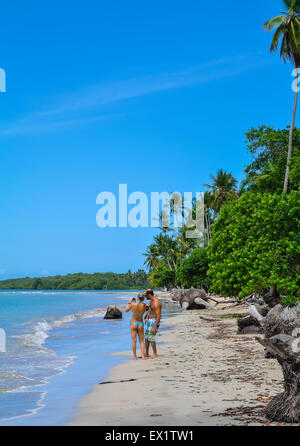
(151, 322)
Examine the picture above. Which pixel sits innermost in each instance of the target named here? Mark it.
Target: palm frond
(272, 23)
(296, 6)
(288, 3)
(277, 35)
(285, 50)
(294, 38)
(292, 5)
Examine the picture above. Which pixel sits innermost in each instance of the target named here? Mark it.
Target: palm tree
(209, 215)
(152, 257)
(167, 249)
(222, 189)
(185, 245)
(288, 30)
(172, 208)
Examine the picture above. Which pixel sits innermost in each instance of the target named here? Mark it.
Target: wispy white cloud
(93, 100)
(31, 125)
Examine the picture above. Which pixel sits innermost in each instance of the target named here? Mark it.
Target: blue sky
(156, 95)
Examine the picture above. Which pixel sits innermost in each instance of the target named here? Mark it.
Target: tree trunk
(281, 328)
(289, 156)
(272, 297)
(208, 231)
(194, 299)
(286, 405)
(169, 265)
(201, 302)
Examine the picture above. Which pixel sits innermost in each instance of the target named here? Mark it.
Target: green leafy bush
(256, 244)
(193, 270)
(162, 276)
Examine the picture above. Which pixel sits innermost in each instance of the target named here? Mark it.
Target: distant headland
(80, 281)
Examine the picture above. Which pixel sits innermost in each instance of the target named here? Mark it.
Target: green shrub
(162, 276)
(256, 244)
(193, 270)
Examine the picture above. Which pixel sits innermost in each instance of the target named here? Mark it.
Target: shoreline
(205, 374)
(74, 338)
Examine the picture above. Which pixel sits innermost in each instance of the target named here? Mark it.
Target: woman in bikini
(136, 325)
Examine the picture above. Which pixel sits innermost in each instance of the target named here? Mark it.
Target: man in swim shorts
(152, 321)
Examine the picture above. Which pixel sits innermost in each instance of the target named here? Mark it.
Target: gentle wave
(31, 362)
(11, 381)
(40, 332)
(38, 336)
(40, 396)
(32, 343)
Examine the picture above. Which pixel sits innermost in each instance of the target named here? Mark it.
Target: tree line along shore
(80, 281)
(251, 242)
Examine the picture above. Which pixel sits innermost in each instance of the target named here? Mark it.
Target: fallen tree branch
(254, 313)
(237, 304)
(207, 305)
(115, 382)
(210, 319)
(214, 300)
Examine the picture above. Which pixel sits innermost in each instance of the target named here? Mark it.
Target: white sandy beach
(205, 374)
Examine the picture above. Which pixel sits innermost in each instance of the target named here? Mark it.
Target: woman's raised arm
(129, 305)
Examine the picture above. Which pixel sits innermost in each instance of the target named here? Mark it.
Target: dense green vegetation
(252, 234)
(251, 241)
(81, 281)
(256, 245)
(192, 271)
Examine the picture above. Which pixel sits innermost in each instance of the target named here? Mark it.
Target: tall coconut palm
(222, 189)
(288, 30)
(209, 215)
(185, 245)
(152, 257)
(167, 249)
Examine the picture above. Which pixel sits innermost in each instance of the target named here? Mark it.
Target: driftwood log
(192, 299)
(251, 324)
(281, 328)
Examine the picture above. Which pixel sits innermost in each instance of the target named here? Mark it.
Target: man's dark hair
(149, 291)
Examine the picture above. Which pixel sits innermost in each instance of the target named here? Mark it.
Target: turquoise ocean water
(58, 346)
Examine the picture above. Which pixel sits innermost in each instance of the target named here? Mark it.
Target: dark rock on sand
(112, 312)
